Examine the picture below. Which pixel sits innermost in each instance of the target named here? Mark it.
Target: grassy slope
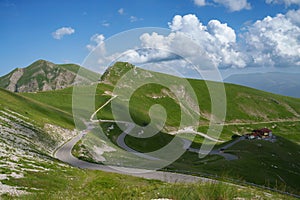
(261, 162)
(244, 105)
(37, 111)
(71, 183)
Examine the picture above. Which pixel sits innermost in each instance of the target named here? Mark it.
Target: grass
(276, 164)
(261, 162)
(243, 105)
(72, 183)
(41, 113)
(287, 130)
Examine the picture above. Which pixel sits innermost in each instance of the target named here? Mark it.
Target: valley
(36, 126)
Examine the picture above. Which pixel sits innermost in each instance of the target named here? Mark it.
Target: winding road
(64, 153)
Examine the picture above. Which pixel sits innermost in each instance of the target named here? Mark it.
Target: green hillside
(40, 112)
(44, 76)
(42, 177)
(62, 182)
(247, 109)
(243, 104)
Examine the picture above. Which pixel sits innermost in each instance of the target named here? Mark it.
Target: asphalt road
(64, 154)
(220, 152)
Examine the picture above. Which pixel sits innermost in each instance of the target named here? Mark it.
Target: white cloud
(215, 42)
(61, 32)
(135, 19)
(105, 23)
(275, 41)
(270, 42)
(234, 5)
(294, 16)
(286, 2)
(121, 11)
(200, 2)
(96, 39)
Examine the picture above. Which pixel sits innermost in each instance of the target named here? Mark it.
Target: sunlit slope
(40, 112)
(244, 105)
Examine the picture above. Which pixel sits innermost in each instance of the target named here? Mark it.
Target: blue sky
(28, 27)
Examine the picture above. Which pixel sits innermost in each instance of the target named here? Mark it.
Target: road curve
(64, 154)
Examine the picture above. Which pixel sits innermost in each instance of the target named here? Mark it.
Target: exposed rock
(59, 134)
(31, 86)
(21, 144)
(14, 80)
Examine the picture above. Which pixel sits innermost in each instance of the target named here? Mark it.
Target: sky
(235, 36)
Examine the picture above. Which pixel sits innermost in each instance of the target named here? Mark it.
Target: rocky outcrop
(16, 75)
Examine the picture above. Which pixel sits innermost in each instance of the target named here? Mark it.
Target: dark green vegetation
(44, 76)
(247, 109)
(275, 165)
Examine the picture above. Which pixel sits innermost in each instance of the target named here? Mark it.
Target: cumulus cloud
(61, 32)
(215, 42)
(96, 39)
(200, 2)
(270, 42)
(232, 5)
(286, 2)
(275, 41)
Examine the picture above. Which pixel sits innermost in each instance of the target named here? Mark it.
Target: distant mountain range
(286, 84)
(44, 76)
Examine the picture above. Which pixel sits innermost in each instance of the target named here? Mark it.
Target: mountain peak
(114, 72)
(41, 63)
(43, 75)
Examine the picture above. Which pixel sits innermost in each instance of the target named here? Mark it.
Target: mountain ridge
(286, 84)
(43, 75)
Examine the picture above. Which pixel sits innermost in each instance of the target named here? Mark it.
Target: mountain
(40, 120)
(44, 76)
(244, 104)
(287, 84)
(247, 109)
(31, 130)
